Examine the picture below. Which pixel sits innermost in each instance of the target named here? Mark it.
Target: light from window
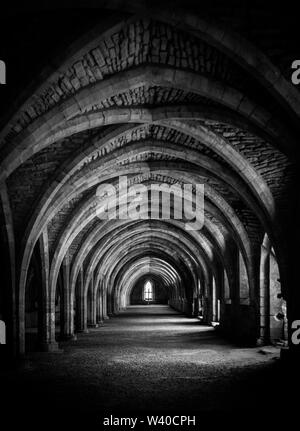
(148, 291)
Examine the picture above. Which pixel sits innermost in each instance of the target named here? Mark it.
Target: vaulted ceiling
(159, 96)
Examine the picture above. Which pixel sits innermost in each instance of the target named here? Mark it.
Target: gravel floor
(147, 360)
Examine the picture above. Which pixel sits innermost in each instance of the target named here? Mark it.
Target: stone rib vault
(163, 96)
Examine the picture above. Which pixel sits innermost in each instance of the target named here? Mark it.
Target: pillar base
(100, 323)
(105, 317)
(50, 347)
(93, 325)
(67, 337)
(215, 325)
(82, 331)
(262, 342)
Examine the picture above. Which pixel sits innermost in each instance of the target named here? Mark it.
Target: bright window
(148, 291)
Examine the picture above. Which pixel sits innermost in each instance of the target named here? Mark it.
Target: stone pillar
(196, 306)
(104, 303)
(235, 295)
(115, 302)
(99, 307)
(109, 303)
(188, 307)
(81, 309)
(214, 301)
(10, 273)
(67, 326)
(92, 305)
(47, 339)
(264, 297)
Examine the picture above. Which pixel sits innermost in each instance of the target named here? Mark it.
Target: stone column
(47, 339)
(81, 309)
(264, 297)
(67, 327)
(99, 307)
(104, 303)
(109, 301)
(10, 278)
(92, 305)
(214, 301)
(196, 306)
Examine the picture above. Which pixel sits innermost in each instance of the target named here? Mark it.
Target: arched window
(148, 291)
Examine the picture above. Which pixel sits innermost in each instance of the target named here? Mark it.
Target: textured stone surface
(159, 361)
(137, 43)
(239, 140)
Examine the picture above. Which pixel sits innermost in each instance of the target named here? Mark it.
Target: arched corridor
(149, 204)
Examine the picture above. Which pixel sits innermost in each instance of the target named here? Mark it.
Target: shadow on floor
(147, 363)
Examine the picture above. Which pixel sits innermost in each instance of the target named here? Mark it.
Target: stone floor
(149, 359)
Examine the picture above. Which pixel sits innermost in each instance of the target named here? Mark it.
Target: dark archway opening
(148, 290)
